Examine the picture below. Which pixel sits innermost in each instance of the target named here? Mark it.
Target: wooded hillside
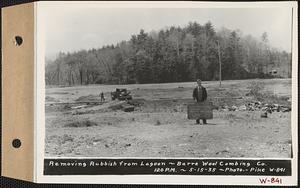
(171, 55)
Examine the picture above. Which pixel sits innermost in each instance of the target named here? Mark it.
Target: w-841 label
(272, 180)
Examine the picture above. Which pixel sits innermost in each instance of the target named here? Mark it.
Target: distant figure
(102, 97)
(200, 95)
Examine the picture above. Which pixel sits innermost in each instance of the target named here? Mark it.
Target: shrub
(158, 122)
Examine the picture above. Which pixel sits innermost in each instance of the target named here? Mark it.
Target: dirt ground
(159, 126)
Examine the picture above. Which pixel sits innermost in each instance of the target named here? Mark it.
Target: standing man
(200, 95)
(102, 97)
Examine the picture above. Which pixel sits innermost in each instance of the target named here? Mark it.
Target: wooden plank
(128, 108)
(200, 110)
(79, 107)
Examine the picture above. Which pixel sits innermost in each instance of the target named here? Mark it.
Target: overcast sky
(75, 28)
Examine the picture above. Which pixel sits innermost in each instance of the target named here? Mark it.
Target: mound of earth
(82, 123)
(51, 99)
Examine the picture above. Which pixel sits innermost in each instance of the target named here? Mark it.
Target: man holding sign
(200, 95)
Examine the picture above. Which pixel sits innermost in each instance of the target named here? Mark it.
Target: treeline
(170, 55)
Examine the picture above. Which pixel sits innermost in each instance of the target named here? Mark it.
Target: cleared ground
(159, 126)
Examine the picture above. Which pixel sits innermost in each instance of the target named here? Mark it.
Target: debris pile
(122, 106)
(257, 106)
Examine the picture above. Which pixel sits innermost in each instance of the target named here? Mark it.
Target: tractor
(121, 94)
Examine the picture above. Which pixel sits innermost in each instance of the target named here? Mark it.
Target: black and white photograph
(169, 81)
(163, 82)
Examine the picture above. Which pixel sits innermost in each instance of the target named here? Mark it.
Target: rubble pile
(257, 106)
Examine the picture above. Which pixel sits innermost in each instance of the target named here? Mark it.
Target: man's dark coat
(204, 94)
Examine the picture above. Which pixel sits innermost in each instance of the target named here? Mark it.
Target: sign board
(200, 110)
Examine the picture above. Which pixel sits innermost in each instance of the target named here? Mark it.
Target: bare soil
(159, 126)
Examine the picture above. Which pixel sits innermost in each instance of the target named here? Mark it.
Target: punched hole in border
(18, 40)
(16, 143)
